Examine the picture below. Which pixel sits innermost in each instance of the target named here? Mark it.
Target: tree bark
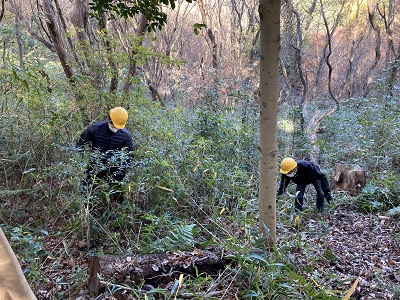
(111, 61)
(393, 55)
(57, 40)
(299, 60)
(378, 42)
(80, 20)
(19, 42)
(210, 34)
(349, 178)
(314, 128)
(15, 10)
(13, 285)
(132, 64)
(63, 23)
(151, 268)
(328, 49)
(2, 10)
(269, 11)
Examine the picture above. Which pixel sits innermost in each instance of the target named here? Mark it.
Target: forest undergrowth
(194, 186)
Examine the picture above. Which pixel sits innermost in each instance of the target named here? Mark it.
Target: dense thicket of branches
(193, 111)
(335, 47)
(329, 50)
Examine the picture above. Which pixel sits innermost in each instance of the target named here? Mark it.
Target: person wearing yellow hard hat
(111, 143)
(303, 173)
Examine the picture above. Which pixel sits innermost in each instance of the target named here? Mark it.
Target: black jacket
(307, 173)
(111, 145)
(103, 139)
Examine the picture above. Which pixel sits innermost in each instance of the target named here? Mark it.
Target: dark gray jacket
(103, 139)
(108, 147)
(307, 173)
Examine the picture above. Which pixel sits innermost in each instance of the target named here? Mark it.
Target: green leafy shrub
(379, 195)
(30, 249)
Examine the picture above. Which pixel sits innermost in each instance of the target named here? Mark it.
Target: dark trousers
(301, 188)
(113, 175)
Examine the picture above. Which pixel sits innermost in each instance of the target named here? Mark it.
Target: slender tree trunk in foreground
(269, 11)
(13, 285)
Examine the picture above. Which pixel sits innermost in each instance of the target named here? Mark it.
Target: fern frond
(181, 238)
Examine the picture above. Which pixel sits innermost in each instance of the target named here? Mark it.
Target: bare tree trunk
(315, 121)
(15, 10)
(378, 42)
(64, 28)
(347, 82)
(299, 59)
(328, 49)
(2, 10)
(113, 65)
(313, 129)
(393, 55)
(154, 91)
(132, 64)
(57, 40)
(18, 36)
(253, 47)
(318, 75)
(79, 19)
(269, 11)
(348, 86)
(211, 37)
(173, 35)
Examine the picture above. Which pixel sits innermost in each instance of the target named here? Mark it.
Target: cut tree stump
(349, 178)
(150, 268)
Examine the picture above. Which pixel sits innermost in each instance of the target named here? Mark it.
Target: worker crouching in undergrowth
(303, 173)
(112, 150)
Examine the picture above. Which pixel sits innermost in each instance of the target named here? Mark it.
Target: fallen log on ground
(150, 268)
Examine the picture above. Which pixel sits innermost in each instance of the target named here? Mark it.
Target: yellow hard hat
(287, 165)
(118, 116)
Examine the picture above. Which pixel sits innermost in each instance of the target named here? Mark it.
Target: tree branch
(12, 9)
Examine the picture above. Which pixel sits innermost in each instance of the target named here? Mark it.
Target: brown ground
(346, 246)
(356, 246)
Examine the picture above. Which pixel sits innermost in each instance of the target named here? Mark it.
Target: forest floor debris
(353, 246)
(340, 246)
